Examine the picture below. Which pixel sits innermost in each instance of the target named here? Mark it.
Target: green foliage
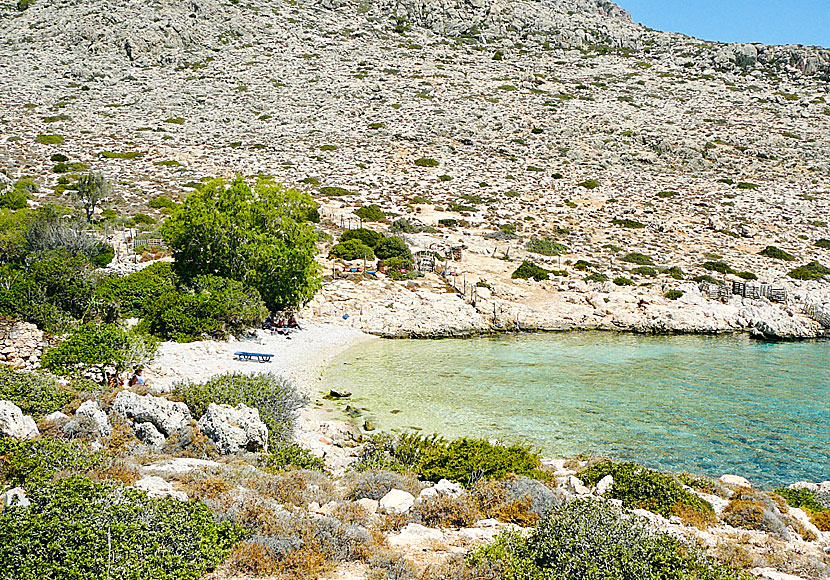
(276, 398)
(812, 271)
(136, 293)
(352, 249)
(370, 213)
(99, 347)
(161, 202)
(23, 5)
(36, 394)
(645, 271)
(639, 487)
(29, 463)
(143, 219)
(637, 258)
(627, 223)
(92, 189)
(596, 277)
(49, 139)
(76, 528)
(212, 306)
(777, 253)
(589, 184)
(528, 270)
(667, 194)
(392, 247)
(426, 162)
(673, 294)
(121, 154)
(623, 281)
(257, 236)
(717, 266)
(364, 235)
(823, 243)
(17, 196)
(404, 226)
(281, 457)
(74, 167)
(398, 268)
(468, 460)
(589, 540)
(801, 498)
(747, 275)
(448, 222)
(745, 185)
(334, 191)
(546, 247)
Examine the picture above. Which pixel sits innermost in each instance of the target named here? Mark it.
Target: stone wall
(21, 344)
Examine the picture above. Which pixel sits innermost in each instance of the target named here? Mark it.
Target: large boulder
(13, 423)
(155, 486)
(234, 429)
(91, 410)
(397, 501)
(166, 416)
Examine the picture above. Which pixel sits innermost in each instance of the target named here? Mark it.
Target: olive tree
(92, 189)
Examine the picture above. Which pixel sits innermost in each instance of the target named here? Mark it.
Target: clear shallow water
(707, 405)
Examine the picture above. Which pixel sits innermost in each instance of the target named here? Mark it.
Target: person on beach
(138, 378)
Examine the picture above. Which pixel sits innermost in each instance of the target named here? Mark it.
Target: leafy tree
(17, 195)
(99, 347)
(92, 189)
(392, 247)
(257, 236)
(365, 235)
(352, 249)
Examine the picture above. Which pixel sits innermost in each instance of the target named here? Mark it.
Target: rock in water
(13, 423)
(234, 429)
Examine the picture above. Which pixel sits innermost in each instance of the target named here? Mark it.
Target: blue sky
(767, 21)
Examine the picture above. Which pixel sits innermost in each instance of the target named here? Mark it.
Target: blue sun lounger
(249, 356)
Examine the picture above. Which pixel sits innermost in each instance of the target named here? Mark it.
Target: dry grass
(443, 511)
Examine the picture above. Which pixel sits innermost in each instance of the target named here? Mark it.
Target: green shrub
(135, 294)
(352, 249)
(801, 498)
(76, 528)
(35, 394)
(596, 277)
(776, 253)
(400, 269)
(811, 271)
(121, 154)
(623, 281)
(704, 278)
(404, 226)
(589, 540)
(74, 167)
(448, 222)
(546, 247)
(276, 398)
(280, 457)
(628, 223)
(747, 276)
(334, 191)
(645, 271)
(14, 198)
(589, 184)
(667, 194)
(143, 219)
(528, 270)
(468, 460)
(823, 243)
(392, 247)
(673, 294)
(639, 487)
(29, 463)
(637, 258)
(717, 266)
(745, 185)
(675, 272)
(370, 213)
(426, 162)
(49, 139)
(364, 235)
(161, 202)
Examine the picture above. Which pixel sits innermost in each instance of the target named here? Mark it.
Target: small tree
(100, 348)
(92, 190)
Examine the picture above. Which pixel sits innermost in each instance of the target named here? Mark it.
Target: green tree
(259, 236)
(101, 348)
(91, 191)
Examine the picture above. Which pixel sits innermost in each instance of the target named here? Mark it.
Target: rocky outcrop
(93, 411)
(397, 501)
(21, 344)
(13, 423)
(234, 429)
(166, 416)
(155, 486)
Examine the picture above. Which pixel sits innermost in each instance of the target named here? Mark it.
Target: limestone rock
(576, 486)
(180, 466)
(415, 536)
(605, 484)
(155, 486)
(16, 497)
(149, 435)
(92, 410)
(736, 480)
(167, 416)
(13, 423)
(397, 501)
(56, 417)
(234, 429)
(370, 505)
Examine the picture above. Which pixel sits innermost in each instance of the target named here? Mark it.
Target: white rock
(166, 416)
(576, 486)
(234, 429)
(13, 423)
(180, 465)
(56, 417)
(447, 487)
(16, 497)
(397, 501)
(772, 574)
(370, 505)
(734, 480)
(803, 519)
(158, 487)
(416, 536)
(605, 484)
(91, 409)
(149, 435)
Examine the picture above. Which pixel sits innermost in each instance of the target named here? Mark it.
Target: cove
(702, 404)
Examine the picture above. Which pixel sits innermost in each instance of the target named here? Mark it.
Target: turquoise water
(707, 405)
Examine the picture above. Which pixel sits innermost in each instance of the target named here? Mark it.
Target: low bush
(448, 222)
(335, 191)
(589, 184)
(49, 139)
(675, 272)
(801, 498)
(426, 162)
(400, 269)
(376, 484)
(673, 294)
(370, 213)
(812, 271)
(588, 540)
(628, 223)
(823, 243)
(718, 266)
(282, 457)
(135, 294)
(30, 463)
(528, 270)
(637, 258)
(776, 253)
(667, 194)
(747, 275)
(76, 528)
(623, 281)
(35, 394)
(364, 235)
(639, 487)
(645, 271)
(444, 511)
(392, 247)
(351, 250)
(546, 247)
(596, 277)
(161, 202)
(276, 398)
